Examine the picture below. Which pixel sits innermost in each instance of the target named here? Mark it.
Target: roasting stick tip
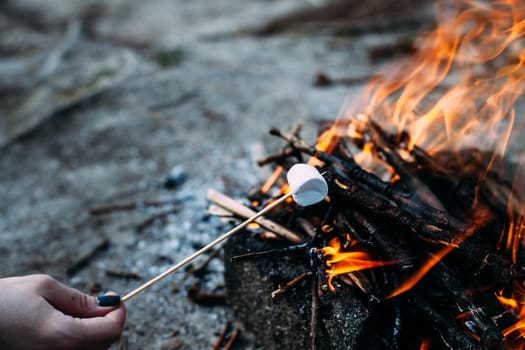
(307, 187)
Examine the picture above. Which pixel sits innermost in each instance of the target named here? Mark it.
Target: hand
(38, 312)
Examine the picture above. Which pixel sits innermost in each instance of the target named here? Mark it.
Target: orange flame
(515, 304)
(457, 91)
(272, 179)
(423, 270)
(425, 345)
(516, 221)
(340, 262)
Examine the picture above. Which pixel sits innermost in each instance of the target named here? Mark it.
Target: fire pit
(419, 281)
(418, 244)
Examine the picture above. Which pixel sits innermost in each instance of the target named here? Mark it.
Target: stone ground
(101, 100)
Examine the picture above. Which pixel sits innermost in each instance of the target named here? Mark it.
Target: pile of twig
(441, 227)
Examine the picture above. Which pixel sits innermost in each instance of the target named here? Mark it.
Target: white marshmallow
(307, 185)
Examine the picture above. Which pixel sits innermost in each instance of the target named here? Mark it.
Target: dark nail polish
(108, 300)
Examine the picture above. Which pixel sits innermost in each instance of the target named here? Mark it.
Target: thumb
(75, 303)
(85, 332)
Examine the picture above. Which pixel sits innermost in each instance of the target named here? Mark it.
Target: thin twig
(276, 157)
(152, 218)
(232, 339)
(314, 318)
(244, 212)
(122, 274)
(284, 288)
(85, 259)
(219, 341)
(205, 298)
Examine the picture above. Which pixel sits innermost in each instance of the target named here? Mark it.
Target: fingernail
(108, 300)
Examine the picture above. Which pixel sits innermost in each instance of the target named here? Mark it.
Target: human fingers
(69, 300)
(90, 333)
(36, 315)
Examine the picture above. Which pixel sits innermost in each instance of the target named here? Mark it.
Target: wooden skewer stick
(206, 248)
(307, 187)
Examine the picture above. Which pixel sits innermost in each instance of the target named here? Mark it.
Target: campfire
(424, 216)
